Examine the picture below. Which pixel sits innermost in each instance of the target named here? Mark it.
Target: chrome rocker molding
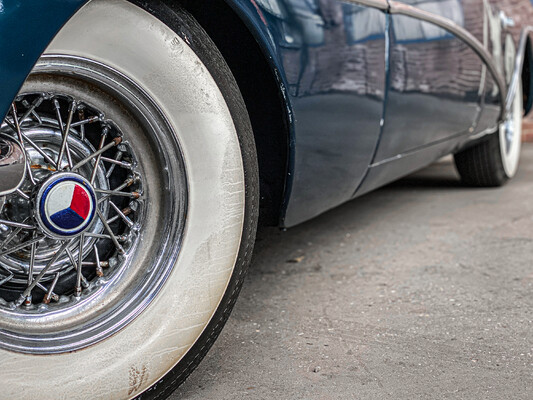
(12, 165)
(506, 94)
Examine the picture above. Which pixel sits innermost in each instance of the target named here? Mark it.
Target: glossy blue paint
(331, 63)
(435, 80)
(439, 95)
(26, 28)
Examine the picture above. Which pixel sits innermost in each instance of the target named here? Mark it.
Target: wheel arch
(252, 63)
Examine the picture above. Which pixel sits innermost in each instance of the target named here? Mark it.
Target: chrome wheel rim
(94, 135)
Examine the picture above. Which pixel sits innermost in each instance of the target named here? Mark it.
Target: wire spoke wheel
(30, 235)
(76, 223)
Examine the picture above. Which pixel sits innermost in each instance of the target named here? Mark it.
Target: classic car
(143, 142)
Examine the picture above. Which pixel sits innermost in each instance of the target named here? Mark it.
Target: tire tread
(481, 165)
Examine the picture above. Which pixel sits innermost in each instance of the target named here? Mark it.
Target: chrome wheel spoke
(97, 153)
(38, 149)
(118, 191)
(17, 225)
(19, 134)
(21, 246)
(28, 299)
(12, 235)
(78, 265)
(22, 194)
(60, 122)
(122, 214)
(37, 280)
(99, 270)
(27, 140)
(31, 109)
(65, 131)
(109, 193)
(53, 296)
(99, 157)
(116, 161)
(110, 233)
(87, 121)
(5, 278)
(50, 292)
(120, 238)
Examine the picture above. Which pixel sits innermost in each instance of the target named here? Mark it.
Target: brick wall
(527, 129)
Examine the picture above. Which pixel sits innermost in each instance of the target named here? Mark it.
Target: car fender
(26, 29)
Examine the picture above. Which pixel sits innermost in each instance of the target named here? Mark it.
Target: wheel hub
(66, 206)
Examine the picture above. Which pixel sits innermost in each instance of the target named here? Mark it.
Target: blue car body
(368, 95)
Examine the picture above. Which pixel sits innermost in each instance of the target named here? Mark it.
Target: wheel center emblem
(66, 205)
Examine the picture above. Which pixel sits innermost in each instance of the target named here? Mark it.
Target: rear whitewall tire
(495, 160)
(196, 92)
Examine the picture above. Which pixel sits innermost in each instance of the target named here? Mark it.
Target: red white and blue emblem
(66, 205)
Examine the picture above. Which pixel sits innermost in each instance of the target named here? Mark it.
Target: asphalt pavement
(420, 290)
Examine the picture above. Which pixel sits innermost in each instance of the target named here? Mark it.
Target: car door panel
(440, 92)
(435, 82)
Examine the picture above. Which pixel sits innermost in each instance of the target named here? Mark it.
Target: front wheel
(125, 248)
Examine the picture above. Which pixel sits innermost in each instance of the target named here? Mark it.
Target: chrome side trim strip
(517, 70)
(379, 4)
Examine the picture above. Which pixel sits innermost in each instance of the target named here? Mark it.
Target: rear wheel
(125, 248)
(494, 161)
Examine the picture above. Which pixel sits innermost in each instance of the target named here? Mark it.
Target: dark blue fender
(26, 28)
(331, 65)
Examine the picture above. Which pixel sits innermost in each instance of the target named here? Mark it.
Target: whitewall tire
(147, 350)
